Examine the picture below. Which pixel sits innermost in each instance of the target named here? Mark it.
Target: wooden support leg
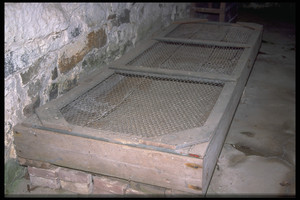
(222, 12)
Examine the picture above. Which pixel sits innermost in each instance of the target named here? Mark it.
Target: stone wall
(49, 46)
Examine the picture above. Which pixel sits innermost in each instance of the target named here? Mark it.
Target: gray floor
(258, 157)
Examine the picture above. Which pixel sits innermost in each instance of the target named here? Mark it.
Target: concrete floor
(258, 157)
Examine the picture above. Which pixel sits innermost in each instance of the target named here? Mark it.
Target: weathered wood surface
(202, 42)
(169, 73)
(142, 165)
(216, 143)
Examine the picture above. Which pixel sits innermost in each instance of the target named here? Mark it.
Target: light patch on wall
(95, 39)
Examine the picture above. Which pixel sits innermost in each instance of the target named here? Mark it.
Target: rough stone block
(178, 193)
(31, 72)
(68, 85)
(104, 185)
(79, 188)
(34, 163)
(95, 39)
(53, 91)
(70, 175)
(146, 189)
(45, 182)
(44, 173)
(133, 192)
(29, 109)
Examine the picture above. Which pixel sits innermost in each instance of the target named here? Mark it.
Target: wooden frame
(183, 161)
(222, 11)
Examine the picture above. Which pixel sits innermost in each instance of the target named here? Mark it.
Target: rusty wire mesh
(189, 57)
(143, 106)
(212, 32)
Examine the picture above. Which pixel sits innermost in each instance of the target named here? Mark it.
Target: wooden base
(127, 162)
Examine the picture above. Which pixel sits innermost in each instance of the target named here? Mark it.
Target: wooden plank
(146, 166)
(52, 118)
(204, 42)
(189, 137)
(207, 10)
(221, 104)
(222, 12)
(215, 145)
(242, 62)
(108, 136)
(168, 73)
(198, 150)
(32, 120)
(192, 12)
(248, 54)
(249, 25)
(190, 21)
(256, 41)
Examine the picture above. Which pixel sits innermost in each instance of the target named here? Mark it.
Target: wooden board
(131, 163)
(182, 160)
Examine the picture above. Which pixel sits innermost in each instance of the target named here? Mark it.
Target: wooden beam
(204, 42)
(222, 12)
(168, 73)
(131, 163)
(207, 10)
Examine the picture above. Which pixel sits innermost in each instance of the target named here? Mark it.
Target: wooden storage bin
(158, 115)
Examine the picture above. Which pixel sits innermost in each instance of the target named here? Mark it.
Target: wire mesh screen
(189, 57)
(212, 32)
(143, 106)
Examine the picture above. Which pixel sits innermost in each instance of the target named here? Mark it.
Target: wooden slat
(190, 21)
(204, 42)
(222, 12)
(184, 75)
(207, 10)
(215, 144)
(204, 21)
(52, 118)
(108, 136)
(249, 53)
(146, 166)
